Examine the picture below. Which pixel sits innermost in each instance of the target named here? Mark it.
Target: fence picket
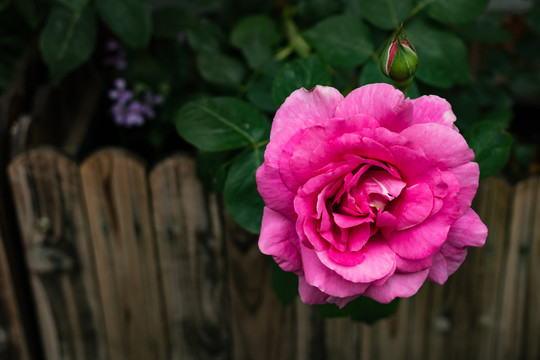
(262, 328)
(118, 205)
(47, 192)
(190, 244)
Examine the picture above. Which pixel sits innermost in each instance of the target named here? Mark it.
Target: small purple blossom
(129, 111)
(117, 56)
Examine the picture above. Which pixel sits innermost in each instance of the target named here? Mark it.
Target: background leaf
(341, 40)
(130, 20)
(442, 56)
(242, 199)
(300, 73)
(219, 69)
(206, 37)
(456, 11)
(255, 36)
(68, 39)
(170, 21)
(386, 14)
(490, 142)
(285, 284)
(222, 123)
(363, 309)
(75, 5)
(211, 169)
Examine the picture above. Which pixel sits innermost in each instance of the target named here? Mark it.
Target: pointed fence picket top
(52, 218)
(118, 206)
(191, 249)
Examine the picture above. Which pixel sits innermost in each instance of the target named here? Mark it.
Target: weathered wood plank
(466, 309)
(191, 250)
(532, 315)
(118, 205)
(52, 220)
(310, 344)
(262, 327)
(512, 337)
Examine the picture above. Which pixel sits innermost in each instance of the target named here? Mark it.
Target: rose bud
(399, 61)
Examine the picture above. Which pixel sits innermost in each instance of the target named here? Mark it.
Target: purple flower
(117, 56)
(129, 111)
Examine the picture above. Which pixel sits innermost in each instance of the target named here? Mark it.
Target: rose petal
(467, 176)
(380, 101)
(439, 270)
(347, 221)
(424, 239)
(408, 266)
(398, 285)
(359, 236)
(278, 238)
(413, 206)
(379, 261)
(327, 280)
(311, 295)
(305, 108)
(274, 193)
(433, 109)
(443, 145)
(468, 230)
(381, 182)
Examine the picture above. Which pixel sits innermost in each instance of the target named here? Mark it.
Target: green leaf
(341, 40)
(442, 56)
(285, 284)
(221, 70)
(260, 91)
(363, 309)
(491, 143)
(255, 36)
(130, 20)
(206, 37)
(312, 11)
(533, 20)
(300, 73)
(169, 21)
(371, 74)
(242, 199)
(75, 5)
(488, 28)
(386, 14)
(369, 311)
(68, 39)
(456, 11)
(4, 4)
(211, 169)
(222, 123)
(29, 11)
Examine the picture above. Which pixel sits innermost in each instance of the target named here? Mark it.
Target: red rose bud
(399, 61)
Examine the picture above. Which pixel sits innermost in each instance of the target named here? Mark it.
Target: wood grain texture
(52, 220)
(520, 321)
(532, 320)
(262, 327)
(118, 206)
(191, 250)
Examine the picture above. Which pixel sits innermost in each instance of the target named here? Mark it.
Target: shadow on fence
(127, 264)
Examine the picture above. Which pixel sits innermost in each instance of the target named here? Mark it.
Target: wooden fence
(130, 264)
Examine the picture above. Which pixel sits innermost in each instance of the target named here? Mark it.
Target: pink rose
(368, 194)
